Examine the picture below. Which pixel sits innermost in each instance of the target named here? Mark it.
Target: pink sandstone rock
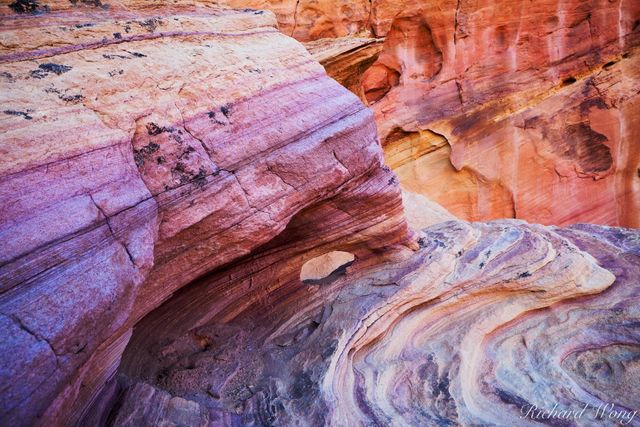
(142, 150)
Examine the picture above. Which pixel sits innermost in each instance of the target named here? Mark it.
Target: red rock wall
(308, 20)
(538, 104)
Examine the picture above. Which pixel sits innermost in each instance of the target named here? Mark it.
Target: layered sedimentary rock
(346, 59)
(551, 85)
(308, 20)
(533, 107)
(198, 228)
(481, 323)
(515, 106)
(142, 148)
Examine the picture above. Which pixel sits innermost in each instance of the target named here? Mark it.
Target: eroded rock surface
(168, 170)
(308, 20)
(481, 322)
(346, 59)
(142, 148)
(523, 110)
(537, 105)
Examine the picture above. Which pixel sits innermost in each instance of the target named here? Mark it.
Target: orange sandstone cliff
(496, 108)
(525, 110)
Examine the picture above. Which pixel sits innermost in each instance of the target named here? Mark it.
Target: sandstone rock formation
(523, 110)
(199, 228)
(467, 87)
(482, 321)
(308, 20)
(140, 153)
(536, 106)
(346, 59)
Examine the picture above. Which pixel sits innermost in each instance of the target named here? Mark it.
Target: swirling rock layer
(169, 171)
(482, 322)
